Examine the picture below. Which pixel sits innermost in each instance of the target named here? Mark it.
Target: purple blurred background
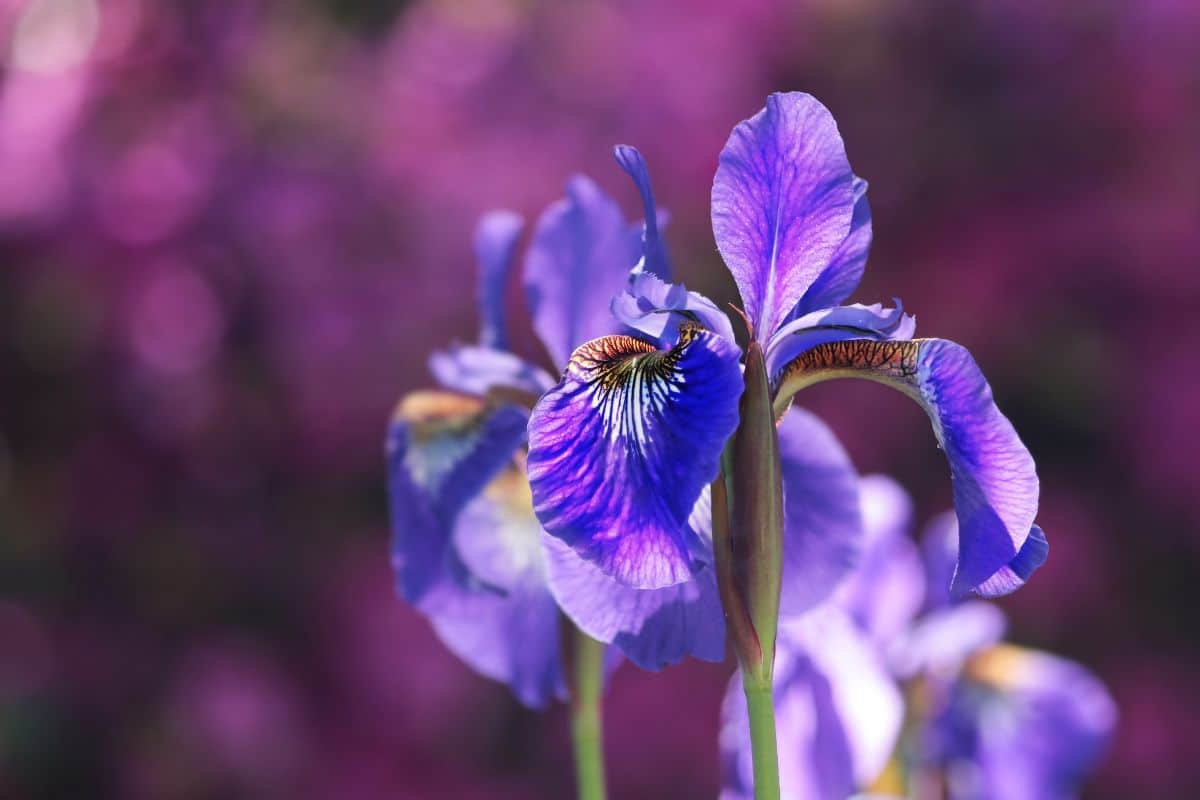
(230, 234)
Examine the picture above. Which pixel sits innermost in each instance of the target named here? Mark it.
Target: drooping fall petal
(993, 476)
(621, 448)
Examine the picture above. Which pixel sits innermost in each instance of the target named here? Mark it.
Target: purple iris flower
(623, 448)
(467, 550)
(654, 594)
(984, 719)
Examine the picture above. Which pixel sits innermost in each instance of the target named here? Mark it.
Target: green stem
(586, 731)
(762, 737)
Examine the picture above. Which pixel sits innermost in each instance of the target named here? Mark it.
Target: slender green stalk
(748, 543)
(762, 738)
(587, 686)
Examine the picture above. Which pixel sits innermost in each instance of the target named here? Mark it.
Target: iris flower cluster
(663, 494)
(895, 688)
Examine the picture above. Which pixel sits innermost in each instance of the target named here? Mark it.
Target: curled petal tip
(1017, 572)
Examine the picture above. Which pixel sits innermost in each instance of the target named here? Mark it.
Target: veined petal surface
(496, 238)
(940, 547)
(994, 480)
(621, 448)
(579, 256)
(442, 449)
(654, 628)
(837, 324)
(782, 203)
(846, 266)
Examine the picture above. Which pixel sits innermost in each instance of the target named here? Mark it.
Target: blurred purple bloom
(466, 547)
(986, 720)
(1041, 725)
(623, 446)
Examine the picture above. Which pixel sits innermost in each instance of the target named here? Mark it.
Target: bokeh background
(230, 234)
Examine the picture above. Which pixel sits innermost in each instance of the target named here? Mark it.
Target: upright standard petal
(837, 711)
(442, 449)
(822, 523)
(994, 480)
(782, 204)
(845, 270)
(578, 259)
(496, 239)
(509, 629)
(654, 248)
(622, 447)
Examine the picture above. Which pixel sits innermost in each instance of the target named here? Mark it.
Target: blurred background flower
(229, 234)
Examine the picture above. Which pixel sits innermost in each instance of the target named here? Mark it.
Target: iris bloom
(623, 448)
(898, 688)
(467, 550)
(466, 547)
(648, 590)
